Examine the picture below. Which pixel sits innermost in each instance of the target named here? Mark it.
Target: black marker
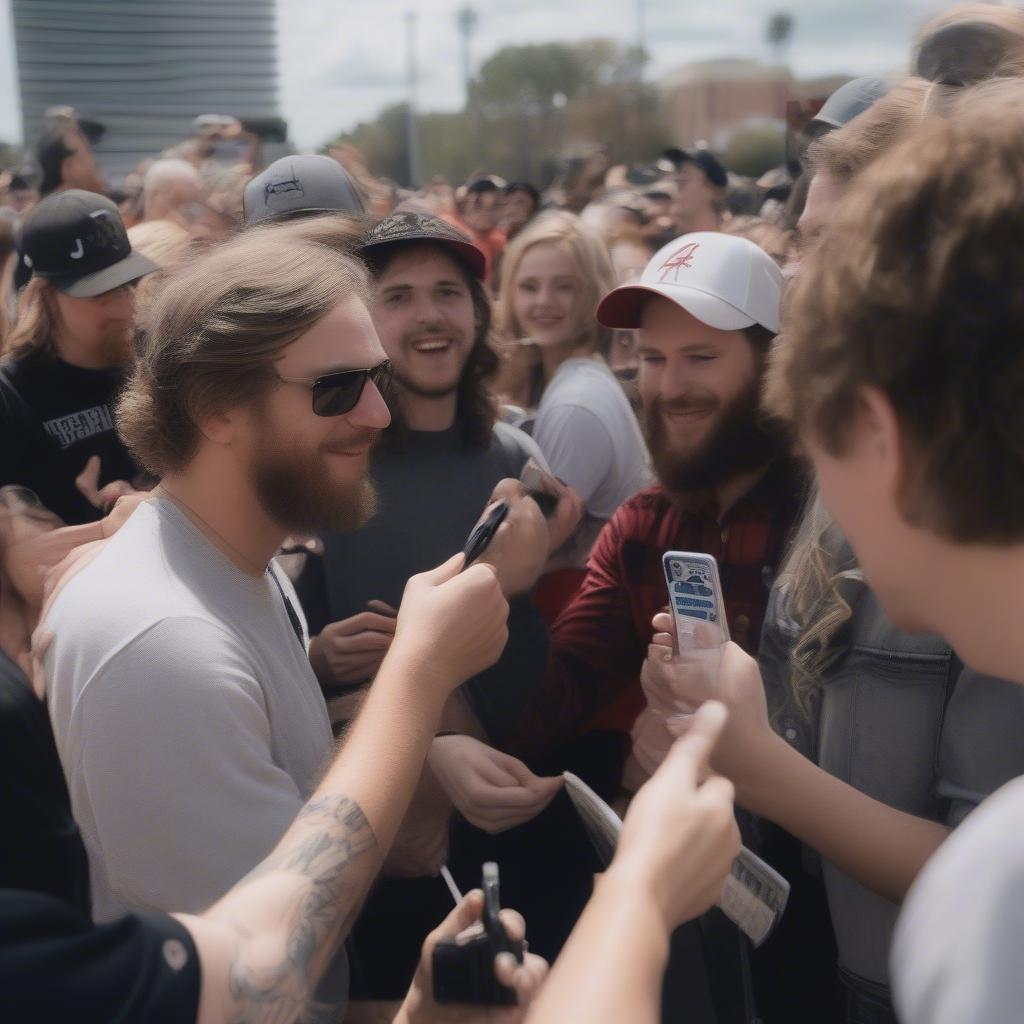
(483, 533)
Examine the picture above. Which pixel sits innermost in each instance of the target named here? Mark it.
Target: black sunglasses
(335, 394)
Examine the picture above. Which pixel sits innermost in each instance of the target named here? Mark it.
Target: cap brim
(280, 216)
(468, 252)
(131, 268)
(623, 307)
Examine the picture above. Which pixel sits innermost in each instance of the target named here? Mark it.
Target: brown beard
(295, 491)
(739, 442)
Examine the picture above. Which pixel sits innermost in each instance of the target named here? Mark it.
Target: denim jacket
(901, 719)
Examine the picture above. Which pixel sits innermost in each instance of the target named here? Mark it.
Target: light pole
(466, 19)
(640, 37)
(412, 82)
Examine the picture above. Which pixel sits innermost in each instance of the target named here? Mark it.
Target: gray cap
(850, 100)
(300, 185)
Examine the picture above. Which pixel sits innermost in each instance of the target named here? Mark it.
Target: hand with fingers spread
(452, 624)
(88, 482)
(526, 978)
(492, 790)
(351, 650)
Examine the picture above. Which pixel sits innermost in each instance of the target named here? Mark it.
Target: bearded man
(188, 720)
(707, 310)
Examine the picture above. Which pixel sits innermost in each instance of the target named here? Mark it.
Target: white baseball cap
(724, 281)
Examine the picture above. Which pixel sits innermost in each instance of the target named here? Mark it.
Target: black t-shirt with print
(53, 418)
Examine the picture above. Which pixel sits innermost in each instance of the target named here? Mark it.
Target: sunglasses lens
(339, 395)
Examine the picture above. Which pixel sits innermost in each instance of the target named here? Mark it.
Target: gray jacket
(902, 720)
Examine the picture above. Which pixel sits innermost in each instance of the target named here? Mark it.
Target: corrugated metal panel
(145, 68)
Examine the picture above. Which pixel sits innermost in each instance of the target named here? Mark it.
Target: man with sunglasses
(187, 717)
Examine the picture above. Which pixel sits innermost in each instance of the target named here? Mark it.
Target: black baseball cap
(411, 226)
(297, 186)
(77, 240)
(712, 167)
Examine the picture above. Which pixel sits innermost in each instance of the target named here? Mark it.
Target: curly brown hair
(917, 289)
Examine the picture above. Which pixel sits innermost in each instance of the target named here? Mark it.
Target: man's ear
(221, 428)
(879, 436)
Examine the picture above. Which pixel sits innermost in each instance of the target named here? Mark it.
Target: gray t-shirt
(957, 950)
(589, 434)
(431, 490)
(188, 720)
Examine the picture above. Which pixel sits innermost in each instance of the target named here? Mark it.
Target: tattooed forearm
(315, 881)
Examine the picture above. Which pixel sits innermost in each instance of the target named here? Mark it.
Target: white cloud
(342, 60)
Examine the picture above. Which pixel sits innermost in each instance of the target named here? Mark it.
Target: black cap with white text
(77, 241)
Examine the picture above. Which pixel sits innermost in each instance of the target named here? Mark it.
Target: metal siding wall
(145, 68)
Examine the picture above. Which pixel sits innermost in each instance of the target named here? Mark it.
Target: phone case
(695, 595)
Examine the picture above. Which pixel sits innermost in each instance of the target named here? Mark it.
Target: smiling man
(434, 470)
(707, 309)
(187, 718)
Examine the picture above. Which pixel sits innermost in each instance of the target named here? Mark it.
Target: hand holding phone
(463, 967)
(695, 600)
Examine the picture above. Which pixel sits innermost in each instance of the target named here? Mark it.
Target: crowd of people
(261, 722)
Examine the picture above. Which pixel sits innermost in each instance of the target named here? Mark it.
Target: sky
(341, 61)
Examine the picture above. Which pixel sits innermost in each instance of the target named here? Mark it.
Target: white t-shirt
(957, 951)
(590, 436)
(188, 720)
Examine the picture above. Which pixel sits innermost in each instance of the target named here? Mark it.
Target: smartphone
(695, 597)
(483, 533)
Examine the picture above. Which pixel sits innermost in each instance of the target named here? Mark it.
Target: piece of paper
(754, 895)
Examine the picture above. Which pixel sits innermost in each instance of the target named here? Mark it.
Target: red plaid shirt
(600, 640)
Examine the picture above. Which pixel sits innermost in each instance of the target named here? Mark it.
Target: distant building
(145, 68)
(708, 100)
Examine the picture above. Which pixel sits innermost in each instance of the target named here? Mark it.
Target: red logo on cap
(682, 257)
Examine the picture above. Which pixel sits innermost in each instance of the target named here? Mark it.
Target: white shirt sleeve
(177, 767)
(957, 947)
(577, 445)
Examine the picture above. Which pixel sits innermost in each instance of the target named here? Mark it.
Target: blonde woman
(553, 274)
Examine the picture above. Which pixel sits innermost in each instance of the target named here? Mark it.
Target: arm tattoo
(332, 861)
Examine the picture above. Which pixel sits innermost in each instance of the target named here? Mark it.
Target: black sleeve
(499, 696)
(55, 964)
(311, 587)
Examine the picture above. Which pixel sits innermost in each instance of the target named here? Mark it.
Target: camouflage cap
(411, 226)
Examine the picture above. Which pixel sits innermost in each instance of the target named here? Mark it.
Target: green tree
(756, 148)
(527, 104)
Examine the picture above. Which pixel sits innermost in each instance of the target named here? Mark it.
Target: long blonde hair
(811, 585)
(36, 322)
(593, 266)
